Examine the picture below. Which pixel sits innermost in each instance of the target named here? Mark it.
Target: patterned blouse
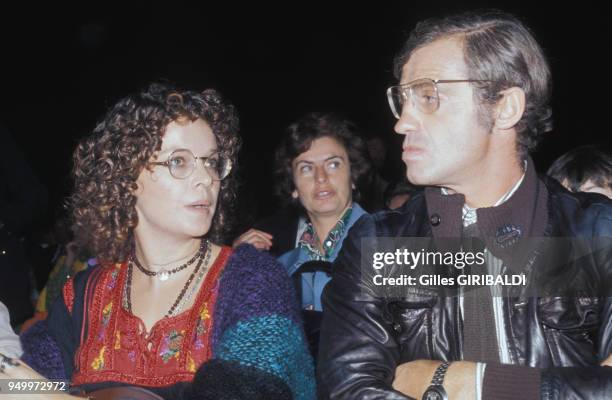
(242, 339)
(310, 241)
(119, 349)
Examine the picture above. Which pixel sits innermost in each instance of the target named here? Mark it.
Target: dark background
(62, 67)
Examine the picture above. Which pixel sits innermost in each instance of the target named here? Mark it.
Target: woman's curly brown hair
(108, 163)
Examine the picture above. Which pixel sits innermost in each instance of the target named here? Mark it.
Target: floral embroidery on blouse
(203, 316)
(106, 314)
(190, 364)
(117, 341)
(113, 281)
(117, 351)
(98, 362)
(171, 345)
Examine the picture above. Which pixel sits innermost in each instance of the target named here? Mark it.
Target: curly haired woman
(169, 309)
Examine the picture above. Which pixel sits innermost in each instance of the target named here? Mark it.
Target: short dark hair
(500, 49)
(574, 168)
(298, 139)
(108, 162)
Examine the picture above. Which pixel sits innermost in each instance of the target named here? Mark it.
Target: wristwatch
(436, 391)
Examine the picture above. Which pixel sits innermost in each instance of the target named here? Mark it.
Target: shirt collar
(469, 216)
(309, 240)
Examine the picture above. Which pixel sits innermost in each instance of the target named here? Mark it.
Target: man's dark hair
(299, 137)
(498, 49)
(574, 168)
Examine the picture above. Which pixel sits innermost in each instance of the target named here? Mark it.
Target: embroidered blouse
(119, 349)
(242, 337)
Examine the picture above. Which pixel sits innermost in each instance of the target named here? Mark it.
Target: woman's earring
(353, 186)
(294, 194)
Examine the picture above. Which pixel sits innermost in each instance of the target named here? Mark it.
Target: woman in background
(319, 166)
(320, 163)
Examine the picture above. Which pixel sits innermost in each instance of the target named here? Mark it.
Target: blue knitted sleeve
(257, 330)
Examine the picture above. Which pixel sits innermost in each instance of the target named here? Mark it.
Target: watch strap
(438, 377)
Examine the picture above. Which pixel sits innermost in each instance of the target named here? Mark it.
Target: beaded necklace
(164, 274)
(201, 260)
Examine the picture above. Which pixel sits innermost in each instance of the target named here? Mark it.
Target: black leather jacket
(364, 337)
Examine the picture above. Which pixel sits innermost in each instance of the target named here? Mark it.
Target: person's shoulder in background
(9, 341)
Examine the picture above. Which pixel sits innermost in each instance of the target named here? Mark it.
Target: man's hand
(607, 362)
(260, 239)
(413, 378)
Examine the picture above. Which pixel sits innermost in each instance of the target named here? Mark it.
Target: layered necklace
(202, 256)
(163, 274)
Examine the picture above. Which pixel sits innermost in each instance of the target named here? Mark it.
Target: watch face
(433, 396)
(435, 393)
